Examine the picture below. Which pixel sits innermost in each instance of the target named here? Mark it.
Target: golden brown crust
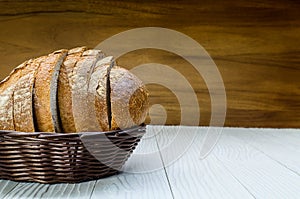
(139, 105)
(6, 100)
(129, 99)
(23, 97)
(16, 98)
(23, 114)
(45, 94)
(65, 90)
(7, 87)
(6, 109)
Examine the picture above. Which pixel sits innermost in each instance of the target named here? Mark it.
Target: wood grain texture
(6, 186)
(263, 176)
(255, 45)
(190, 176)
(275, 144)
(35, 190)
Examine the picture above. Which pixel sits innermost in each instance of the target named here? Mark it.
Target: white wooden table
(245, 163)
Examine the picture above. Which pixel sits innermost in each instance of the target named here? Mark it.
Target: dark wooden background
(255, 44)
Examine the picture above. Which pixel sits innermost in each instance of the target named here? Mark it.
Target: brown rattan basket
(64, 158)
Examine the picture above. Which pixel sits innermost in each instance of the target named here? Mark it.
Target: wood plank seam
(39, 187)
(192, 177)
(93, 189)
(244, 186)
(142, 176)
(165, 170)
(47, 189)
(269, 156)
(263, 179)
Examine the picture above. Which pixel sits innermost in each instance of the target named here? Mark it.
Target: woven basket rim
(53, 135)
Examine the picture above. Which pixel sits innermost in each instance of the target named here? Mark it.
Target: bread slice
(65, 89)
(82, 109)
(23, 97)
(7, 87)
(98, 91)
(129, 99)
(23, 117)
(45, 92)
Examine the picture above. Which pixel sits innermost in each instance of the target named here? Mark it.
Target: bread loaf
(77, 90)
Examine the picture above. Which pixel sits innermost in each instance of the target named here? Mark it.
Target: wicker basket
(63, 158)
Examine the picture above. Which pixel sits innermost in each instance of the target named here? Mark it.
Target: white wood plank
(6, 186)
(35, 190)
(190, 176)
(279, 144)
(81, 190)
(141, 179)
(262, 176)
(26, 190)
(286, 138)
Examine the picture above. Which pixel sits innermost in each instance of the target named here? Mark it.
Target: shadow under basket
(65, 158)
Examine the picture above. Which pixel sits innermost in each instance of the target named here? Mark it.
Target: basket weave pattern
(63, 158)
